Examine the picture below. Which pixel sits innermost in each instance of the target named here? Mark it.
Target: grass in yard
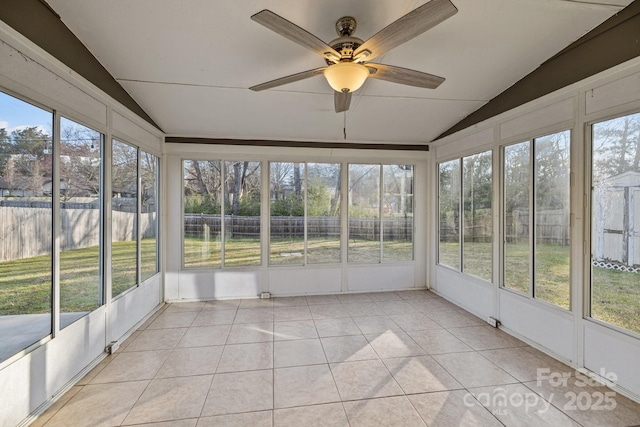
(449, 254)
(25, 285)
(246, 252)
(615, 298)
(478, 258)
(552, 275)
(615, 294)
(552, 267)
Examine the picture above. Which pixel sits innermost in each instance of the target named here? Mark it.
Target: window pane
(449, 205)
(364, 213)
(25, 224)
(516, 206)
(398, 213)
(202, 184)
(286, 244)
(552, 218)
(242, 214)
(477, 218)
(124, 208)
(80, 220)
(615, 280)
(148, 215)
(323, 213)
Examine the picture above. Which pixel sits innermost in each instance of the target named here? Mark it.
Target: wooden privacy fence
(26, 231)
(552, 227)
(289, 226)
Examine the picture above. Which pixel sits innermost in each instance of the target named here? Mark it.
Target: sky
(16, 114)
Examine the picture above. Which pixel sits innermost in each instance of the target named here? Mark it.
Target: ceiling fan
(346, 56)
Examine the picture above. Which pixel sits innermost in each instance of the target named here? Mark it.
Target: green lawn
(246, 252)
(616, 294)
(25, 285)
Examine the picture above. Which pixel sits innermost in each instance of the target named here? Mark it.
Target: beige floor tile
(336, 327)
(289, 301)
(549, 362)
(191, 422)
(415, 294)
(283, 314)
(454, 318)
(132, 366)
(169, 399)
(298, 353)
(364, 380)
(214, 317)
(304, 385)
(96, 370)
(177, 307)
(254, 315)
(156, 339)
(253, 419)
(353, 298)
(592, 406)
(420, 374)
(388, 411)
(485, 338)
(473, 370)
(129, 339)
(296, 330)
(237, 392)
(384, 296)
(191, 361)
(322, 299)
(328, 311)
(256, 303)
(376, 324)
(430, 305)
(99, 405)
(327, 415)
(222, 304)
(438, 341)
(244, 333)
(363, 309)
(205, 336)
(53, 409)
(153, 317)
(515, 404)
(173, 320)
(348, 348)
(246, 357)
(414, 322)
(452, 408)
(394, 344)
(518, 362)
(396, 307)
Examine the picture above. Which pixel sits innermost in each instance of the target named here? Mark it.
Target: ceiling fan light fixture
(346, 75)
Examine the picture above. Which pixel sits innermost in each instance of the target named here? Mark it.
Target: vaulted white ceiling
(190, 63)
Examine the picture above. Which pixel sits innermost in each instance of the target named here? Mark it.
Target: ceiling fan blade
(342, 100)
(288, 79)
(409, 26)
(294, 33)
(404, 76)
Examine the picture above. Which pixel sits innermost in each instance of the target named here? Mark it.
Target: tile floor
(395, 358)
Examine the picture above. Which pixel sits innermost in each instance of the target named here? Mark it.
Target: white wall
(30, 378)
(568, 335)
(208, 283)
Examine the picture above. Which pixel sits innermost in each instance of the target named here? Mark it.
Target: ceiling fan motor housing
(345, 45)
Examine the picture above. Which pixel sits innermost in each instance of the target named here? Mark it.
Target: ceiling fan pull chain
(344, 125)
